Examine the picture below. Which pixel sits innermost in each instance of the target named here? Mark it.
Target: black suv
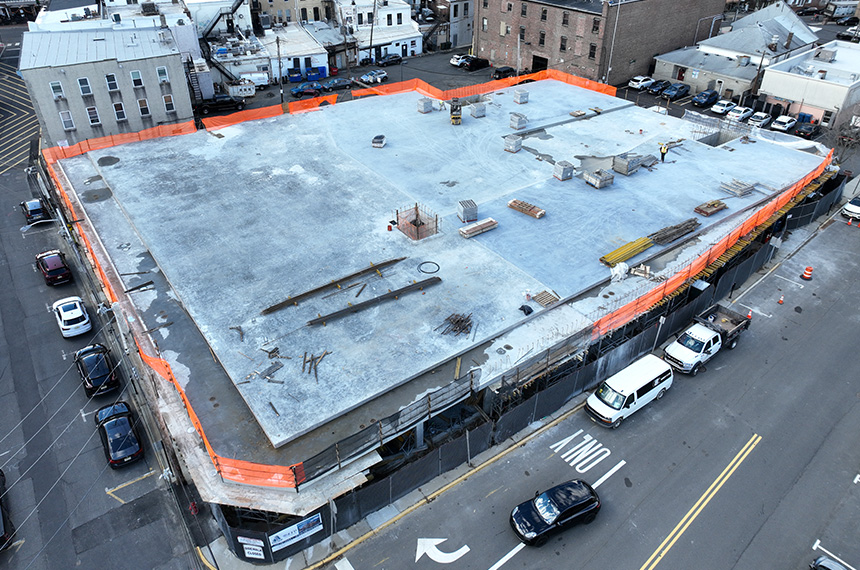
(97, 373)
(34, 211)
(504, 71)
(389, 59)
(222, 102)
(476, 63)
(6, 527)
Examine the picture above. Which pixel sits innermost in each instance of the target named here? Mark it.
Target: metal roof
(695, 58)
(53, 49)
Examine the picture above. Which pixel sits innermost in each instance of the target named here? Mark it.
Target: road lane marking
(429, 546)
(508, 556)
(755, 311)
(703, 501)
(608, 474)
(817, 546)
(343, 565)
(126, 484)
(790, 281)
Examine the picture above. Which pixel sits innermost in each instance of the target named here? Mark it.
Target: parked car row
(97, 370)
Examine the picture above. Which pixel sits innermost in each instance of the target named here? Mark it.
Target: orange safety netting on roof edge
(56, 153)
(311, 104)
(215, 123)
(643, 303)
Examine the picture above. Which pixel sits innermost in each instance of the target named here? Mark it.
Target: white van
(625, 392)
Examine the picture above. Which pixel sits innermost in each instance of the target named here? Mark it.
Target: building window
(360, 18)
(563, 45)
(595, 26)
(304, 13)
(369, 18)
(543, 15)
(510, 7)
(483, 24)
(66, 118)
(112, 84)
(565, 19)
(119, 111)
(522, 33)
(412, 43)
(592, 51)
(455, 10)
(144, 107)
(388, 19)
(542, 38)
(523, 10)
(486, 4)
(168, 104)
(93, 115)
(400, 18)
(57, 90)
(84, 85)
(162, 74)
(136, 78)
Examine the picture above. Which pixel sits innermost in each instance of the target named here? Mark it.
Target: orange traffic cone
(807, 275)
(849, 222)
(749, 314)
(781, 298)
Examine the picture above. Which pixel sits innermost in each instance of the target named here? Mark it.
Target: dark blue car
(658, 86)
(676, 91)
(312, 88)
(706, 98)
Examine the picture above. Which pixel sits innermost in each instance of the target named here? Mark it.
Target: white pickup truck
(714, 328)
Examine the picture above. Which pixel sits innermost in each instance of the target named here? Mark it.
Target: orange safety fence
(643, 303)
(236, 470)
(215, 123)
(311, 104)
(60, 152)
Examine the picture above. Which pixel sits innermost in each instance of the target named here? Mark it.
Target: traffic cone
(749, 314)
(781, 298)
(849, 222)
(807, 275)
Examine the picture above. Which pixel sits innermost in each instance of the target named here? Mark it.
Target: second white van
(629, 390)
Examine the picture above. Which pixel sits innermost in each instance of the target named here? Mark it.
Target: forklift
(456, 111)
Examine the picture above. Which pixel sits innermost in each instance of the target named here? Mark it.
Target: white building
(220, 16)
(381, 27)
(93, 83)
(824, 84)
(298, 49)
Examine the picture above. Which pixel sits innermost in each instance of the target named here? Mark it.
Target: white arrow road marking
(508, 556)
(343, 565)
(428, 546)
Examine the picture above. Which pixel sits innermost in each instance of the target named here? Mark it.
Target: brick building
(588, 37)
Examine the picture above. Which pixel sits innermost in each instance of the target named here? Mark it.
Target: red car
(52, 265)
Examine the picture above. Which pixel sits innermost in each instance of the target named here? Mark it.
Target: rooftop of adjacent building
(840, 62)
(290, 39)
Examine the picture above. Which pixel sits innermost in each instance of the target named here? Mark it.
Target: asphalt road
(751, 464)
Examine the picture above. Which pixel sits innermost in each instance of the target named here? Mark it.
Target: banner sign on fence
(291, 534)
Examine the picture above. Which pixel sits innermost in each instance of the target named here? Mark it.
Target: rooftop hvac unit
(149, 9)
(827, 55)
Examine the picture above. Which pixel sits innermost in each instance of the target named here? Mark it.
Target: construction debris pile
(457, 324)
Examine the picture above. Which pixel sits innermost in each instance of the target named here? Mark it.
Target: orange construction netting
(56, 153)
(643, 303)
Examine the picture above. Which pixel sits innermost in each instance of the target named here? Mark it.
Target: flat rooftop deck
(240, 219)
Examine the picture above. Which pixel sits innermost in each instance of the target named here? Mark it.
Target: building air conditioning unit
(827, 55)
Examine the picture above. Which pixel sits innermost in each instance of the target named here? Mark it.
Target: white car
(759, 120)
(375, 76)
(722, 107)
(72, 316)
(852, 209)
(739, 114)
(784, 123)
(459, 59)
(640, 82)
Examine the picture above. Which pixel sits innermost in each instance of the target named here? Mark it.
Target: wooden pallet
(545, 298)
(526, 208)
(709, 208)
(478, 228)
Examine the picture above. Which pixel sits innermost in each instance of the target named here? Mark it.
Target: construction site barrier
(643, 303)
(56, 153)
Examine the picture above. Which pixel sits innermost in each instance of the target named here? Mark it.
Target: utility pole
(280, 71)
(372, 24)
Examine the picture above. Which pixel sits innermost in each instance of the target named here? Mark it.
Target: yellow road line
(203, 558)
(691, 515)
(126, 484)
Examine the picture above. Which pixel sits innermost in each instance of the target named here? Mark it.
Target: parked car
(810, 11)
(52, 265)
(784, 123)
(826, 563)
(722, 107)
(640, 82)
(628, 391)
(337, 83)
(308, 88)
(715, 328)
(7, 529)
(34, 211)
(851, 210)
(848, 21)
(504, 71)
(848, 35)
(739, 114)
(705, 98)
(72, 316)
(760, 119)
(459, 59)
(658, 86)
(98, 375)
(222, 102)
(115, 424)
(676, 91)
(374, 76)
(555, 509)
(476, 63)
(389, 59)
(807, 130)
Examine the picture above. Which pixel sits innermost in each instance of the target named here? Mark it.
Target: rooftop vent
(822, 54)
(148, 9)
(744, 60)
